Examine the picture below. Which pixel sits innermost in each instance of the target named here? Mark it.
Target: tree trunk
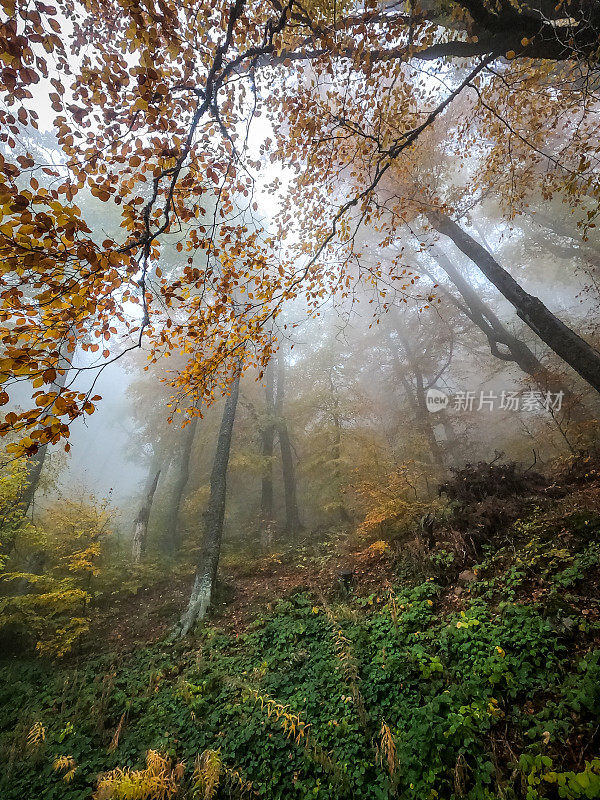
(336, 452)
(485, 319)
(140, 525)
(268, 438)
(292, 517)
(517, 350)
(206, 572)
(171, 541)
(574, 350)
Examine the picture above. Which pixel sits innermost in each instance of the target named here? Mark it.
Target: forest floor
(250, 583)
(250, 587)
(463, 661)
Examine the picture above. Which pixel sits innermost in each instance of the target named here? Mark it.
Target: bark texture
(140, 525)
(206, 572)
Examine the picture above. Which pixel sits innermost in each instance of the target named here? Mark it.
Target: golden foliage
(297, 730)
(210, 771)
(390, 502)
(67, 288)
(66, 765)
(387, 748)
(163, 779)
(293, 726)
(207, 773)
(160, 780)
(36, 735)
(47, 575)
(379, 547)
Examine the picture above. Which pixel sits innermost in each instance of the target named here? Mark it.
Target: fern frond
(160, 780)
(36, 735)
(388, 748)
(67, 765)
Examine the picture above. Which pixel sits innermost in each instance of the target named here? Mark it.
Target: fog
(353, 374)
(300, 391)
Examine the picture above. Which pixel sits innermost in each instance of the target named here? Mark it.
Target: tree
(292, 517)
(336, 451)
(498, 335)
(206, 572)
(166, 134)
(140, 524)
(171, 539)
(574, 350)
(267, 442)
(154, 118)
(416, 392)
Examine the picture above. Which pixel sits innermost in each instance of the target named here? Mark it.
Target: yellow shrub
(158, 781)
(45, 578)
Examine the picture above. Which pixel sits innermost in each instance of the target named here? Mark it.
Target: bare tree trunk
(516, 349)
(171, 540)
(268, 438)
(140, 525)
(574, 350)
(292, 517)
(206, 572)
(485, 319)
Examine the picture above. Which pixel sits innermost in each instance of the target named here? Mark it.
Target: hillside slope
(473, 673)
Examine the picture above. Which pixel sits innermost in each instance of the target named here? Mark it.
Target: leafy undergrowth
(480, 685)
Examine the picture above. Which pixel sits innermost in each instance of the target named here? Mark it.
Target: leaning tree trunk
(171, 540)
(267, 440)
(206, 572)
(497, 334)
(140, 525)
(292, 517)
(486, 320)
(574, 350)
(516, 349)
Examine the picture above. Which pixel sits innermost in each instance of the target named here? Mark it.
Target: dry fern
(387, 749)
(115, 740)
(66, 765)
(298, 730)
(207, 774)
(291, 723)
(160, 780)
(36, 735)
(348, 665)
